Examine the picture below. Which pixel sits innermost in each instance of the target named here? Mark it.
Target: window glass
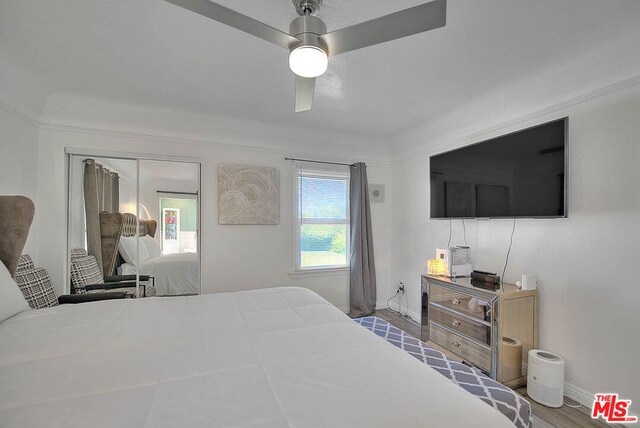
(323, 220)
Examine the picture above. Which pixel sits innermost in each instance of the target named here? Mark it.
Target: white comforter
(175, 274)
(279, 357)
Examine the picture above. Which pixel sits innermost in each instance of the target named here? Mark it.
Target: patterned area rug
(502, 398)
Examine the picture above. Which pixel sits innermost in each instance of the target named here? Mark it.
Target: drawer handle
(455, 301)
(455, 323)
(456, 343)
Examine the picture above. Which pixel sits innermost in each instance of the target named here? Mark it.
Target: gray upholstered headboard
(113, 226)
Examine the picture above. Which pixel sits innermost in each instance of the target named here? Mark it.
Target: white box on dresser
(491, 330)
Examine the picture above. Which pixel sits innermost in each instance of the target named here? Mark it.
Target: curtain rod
(315, 161)
(177, 193)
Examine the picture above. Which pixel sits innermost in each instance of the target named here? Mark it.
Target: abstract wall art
(248, 195)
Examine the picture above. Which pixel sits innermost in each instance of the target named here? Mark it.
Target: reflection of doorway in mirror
(170, 230)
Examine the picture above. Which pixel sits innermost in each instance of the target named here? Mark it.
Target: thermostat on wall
(376, 193)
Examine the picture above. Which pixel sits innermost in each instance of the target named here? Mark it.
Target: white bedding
(175, 274)
(280, 357)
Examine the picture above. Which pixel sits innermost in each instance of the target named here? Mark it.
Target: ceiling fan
(310, 45)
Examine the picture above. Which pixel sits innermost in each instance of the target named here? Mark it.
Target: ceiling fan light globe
(308, 61)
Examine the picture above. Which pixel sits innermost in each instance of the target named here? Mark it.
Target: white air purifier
(545, 378)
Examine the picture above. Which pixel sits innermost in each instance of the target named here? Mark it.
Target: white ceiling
(82, 57)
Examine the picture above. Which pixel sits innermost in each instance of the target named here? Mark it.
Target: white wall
(587, 263)
(19, 164)
(234, 257)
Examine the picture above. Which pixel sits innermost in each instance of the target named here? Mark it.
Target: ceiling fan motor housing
(308, 29)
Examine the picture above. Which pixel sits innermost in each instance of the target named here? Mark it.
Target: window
(322, 211)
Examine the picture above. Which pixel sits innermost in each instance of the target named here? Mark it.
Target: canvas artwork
(248, 195)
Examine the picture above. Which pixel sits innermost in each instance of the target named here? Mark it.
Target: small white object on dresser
(529, 281)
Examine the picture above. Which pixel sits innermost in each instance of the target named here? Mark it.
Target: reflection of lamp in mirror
(128, 207)
(143, 212)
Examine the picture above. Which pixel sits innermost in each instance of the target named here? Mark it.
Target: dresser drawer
(455, 300)
(472, 329)
(472, 353)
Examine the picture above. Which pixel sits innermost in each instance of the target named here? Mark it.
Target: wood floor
(564, 417)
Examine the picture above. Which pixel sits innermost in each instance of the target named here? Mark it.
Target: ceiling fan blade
(400, 24)
(304, 93)
(237, 20)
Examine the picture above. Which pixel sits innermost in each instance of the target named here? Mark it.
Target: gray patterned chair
(35, 284)
(37, 287)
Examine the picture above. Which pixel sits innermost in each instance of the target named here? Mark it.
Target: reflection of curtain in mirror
(101, 193)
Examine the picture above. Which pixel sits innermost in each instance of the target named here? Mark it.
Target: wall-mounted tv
(521, 174)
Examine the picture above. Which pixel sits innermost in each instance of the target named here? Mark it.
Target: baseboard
(586, 398)
(394, 305)
(578, 394)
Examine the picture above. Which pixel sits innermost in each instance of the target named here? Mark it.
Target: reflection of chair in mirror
(86, 277)
(114, 227)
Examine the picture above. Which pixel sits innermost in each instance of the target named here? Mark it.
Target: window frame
(326, 172)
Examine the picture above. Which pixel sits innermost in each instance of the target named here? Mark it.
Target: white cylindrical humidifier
(545, 378)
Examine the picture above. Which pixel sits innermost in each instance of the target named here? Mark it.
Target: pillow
(127, 248)
(37, 288)
(152, 246)
(11, 299)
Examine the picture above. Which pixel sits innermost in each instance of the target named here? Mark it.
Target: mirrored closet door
(133, 226)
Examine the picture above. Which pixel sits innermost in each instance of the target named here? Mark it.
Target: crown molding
(209, 143)
(19, 114)
(180, 140)
(441, 143)
(446, 142)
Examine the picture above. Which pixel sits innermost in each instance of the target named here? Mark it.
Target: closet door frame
(71, 152)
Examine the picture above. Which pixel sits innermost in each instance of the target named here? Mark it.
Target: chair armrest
(118, 278)
(90, 297)
(110, 286)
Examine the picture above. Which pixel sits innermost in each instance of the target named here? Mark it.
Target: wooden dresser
(491, 330)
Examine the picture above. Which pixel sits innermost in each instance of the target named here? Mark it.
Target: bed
(174, 274)
(280, 357)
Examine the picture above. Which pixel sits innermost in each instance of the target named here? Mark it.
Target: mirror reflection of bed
(173, 274)
(134, 223)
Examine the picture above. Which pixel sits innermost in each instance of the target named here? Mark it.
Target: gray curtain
(101, 193)
(362, 275)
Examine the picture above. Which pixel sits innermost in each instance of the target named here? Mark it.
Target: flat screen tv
(521, 174)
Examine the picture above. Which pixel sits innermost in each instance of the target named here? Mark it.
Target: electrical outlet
(400, 287)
